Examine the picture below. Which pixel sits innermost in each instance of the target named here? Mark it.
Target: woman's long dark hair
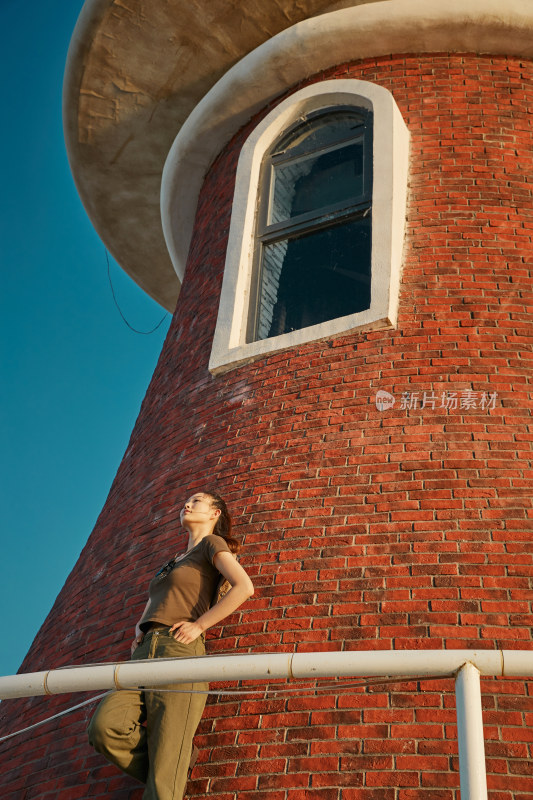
(223, 525)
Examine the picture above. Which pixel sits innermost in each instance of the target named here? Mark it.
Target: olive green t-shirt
(188, 590)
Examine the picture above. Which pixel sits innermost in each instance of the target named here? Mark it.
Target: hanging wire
(309, 692)
(56, 716)
(143, 333)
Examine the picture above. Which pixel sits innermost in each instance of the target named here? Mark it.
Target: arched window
(313, 243)
(316, 234)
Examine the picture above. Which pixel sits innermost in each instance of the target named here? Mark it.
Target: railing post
(470, 734)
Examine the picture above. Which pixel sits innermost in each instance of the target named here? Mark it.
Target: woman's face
(198, 508)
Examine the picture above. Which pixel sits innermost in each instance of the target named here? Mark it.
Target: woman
(178, 612)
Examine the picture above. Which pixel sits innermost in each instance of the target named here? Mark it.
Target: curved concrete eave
(121, 190)
(135, 70)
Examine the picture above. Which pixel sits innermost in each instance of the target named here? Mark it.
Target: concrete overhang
(137, 70)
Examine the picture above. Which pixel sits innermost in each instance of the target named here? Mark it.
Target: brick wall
(362, 529)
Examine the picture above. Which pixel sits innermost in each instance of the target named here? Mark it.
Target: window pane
(317, 181)
(315, 277)
(320, 131)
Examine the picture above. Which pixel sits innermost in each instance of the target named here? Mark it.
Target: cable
(143, 333)
(304, 692)
(49, 719)
(231, 692)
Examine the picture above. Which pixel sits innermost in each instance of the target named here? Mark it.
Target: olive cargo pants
(159, 753)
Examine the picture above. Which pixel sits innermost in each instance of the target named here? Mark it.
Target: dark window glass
(313, 182)
(319, 130)
(314, 231)
(315, 277)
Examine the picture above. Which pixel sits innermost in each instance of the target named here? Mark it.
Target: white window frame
(389, 201)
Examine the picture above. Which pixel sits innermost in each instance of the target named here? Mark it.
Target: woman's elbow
(249, 588)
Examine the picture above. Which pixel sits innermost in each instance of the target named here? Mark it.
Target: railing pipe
(472, 770)
(265, 667)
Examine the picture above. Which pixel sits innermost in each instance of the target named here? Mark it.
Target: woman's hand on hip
(186, 632)
(135, 644)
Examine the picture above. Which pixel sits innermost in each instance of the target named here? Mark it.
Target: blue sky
(73, 374)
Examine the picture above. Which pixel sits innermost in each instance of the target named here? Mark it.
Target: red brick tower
(391, 521)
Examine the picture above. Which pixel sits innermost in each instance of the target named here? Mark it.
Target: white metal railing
(466, 666)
